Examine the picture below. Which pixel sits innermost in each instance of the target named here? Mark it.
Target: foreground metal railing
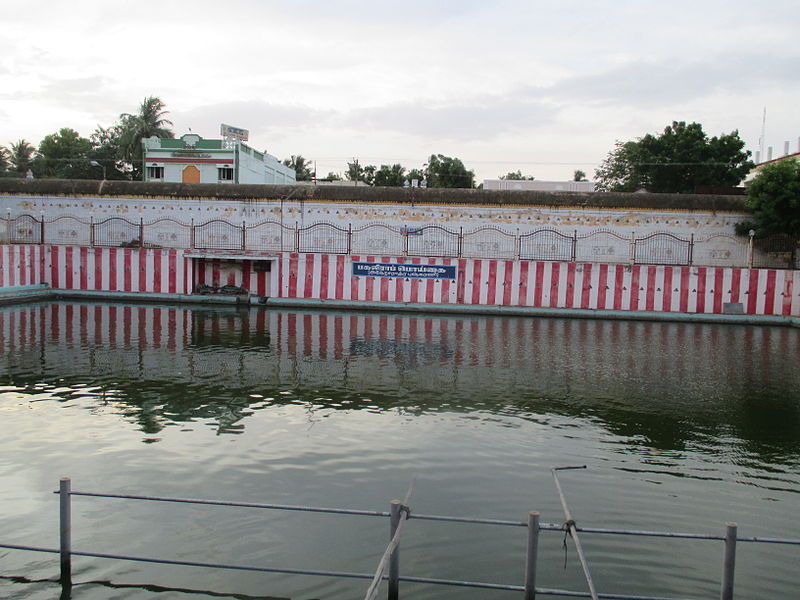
(388, 568)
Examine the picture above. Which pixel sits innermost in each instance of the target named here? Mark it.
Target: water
(683, 427)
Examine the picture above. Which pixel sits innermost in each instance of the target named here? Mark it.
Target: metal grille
(270, 236)
(167, 233)
(602, 247)
(546, 244)
(489, 242)
(432, 241)
(721, 251)
(323, 237)
(217, 235)
(662, 249)
(68, 230)
(775, 252)
(116, 231)
(377, 239)
(24, 229)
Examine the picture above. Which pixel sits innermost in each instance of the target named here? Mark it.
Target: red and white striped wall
(548, 285)
(478, 282)
(22, 265)
(155, 270)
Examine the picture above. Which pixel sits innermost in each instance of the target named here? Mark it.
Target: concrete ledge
(16, 294)
(522, 311)
(20, 294)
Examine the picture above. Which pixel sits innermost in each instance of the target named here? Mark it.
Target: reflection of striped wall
(549, 285)
(260, 347)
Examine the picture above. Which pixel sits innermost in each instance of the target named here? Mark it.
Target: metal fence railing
(379, 239)
(388, 569)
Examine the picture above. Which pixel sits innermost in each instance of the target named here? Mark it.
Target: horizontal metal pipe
(318, 509)
(469, 520)
(423, 517)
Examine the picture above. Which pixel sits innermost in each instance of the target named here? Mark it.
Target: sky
(541, 87)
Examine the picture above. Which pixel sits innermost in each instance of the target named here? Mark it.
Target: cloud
(482, 119)
(649, 83)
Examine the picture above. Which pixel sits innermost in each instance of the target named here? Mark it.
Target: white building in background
(192, 159)
(539, 186)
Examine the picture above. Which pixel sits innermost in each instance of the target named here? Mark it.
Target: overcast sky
(543, 87)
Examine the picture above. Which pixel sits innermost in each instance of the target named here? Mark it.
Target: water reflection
(666, 386)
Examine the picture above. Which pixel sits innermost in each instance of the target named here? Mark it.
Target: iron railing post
(729, 562)
(349, 238)
(65, 530)
(141, 232)
(691, 249)
(41, 230)
(533, 551)
(632, 249)
(395, 510)
(751, 249)
(244, 236)
(191, 234)
(574, 244)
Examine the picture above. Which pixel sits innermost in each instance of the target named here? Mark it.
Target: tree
(578, 175)
(390, 176)
(64, 155)
(21, 157)
(106, 151)
(301, 167)
(774, 197)
(445, 172)
(516, 176)
(331, 176)
(3, 160)
(356, 172)
(149, 121)
(679, 160)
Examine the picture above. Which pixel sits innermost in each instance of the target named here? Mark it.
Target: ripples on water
(683, 427)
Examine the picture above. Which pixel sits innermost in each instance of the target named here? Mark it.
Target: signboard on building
(370, 269)
(233, 132)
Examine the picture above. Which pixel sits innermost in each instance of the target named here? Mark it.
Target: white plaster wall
(510, 219)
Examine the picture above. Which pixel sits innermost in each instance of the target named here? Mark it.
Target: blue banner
(370, 269)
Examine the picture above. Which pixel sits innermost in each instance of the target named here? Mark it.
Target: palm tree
(21, 156)
(149, 121)
(3, 159)
(301, 166)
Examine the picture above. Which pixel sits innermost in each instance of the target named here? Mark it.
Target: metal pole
(65, 530)
(750, 248)
(729, 562)
(394, 558)
(533, 551)
(569, 525)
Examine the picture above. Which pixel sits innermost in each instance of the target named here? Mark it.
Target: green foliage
(390, 176)
(21, 157)
(516, 176)
(357, 172)
(3, 160)
(132, 129)
(445, 172)
(331, 176)
(417, 174)
(682, 158)
(774, 197)
(64, 155)
(578, 175)
(301, 167)
(106, 151)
